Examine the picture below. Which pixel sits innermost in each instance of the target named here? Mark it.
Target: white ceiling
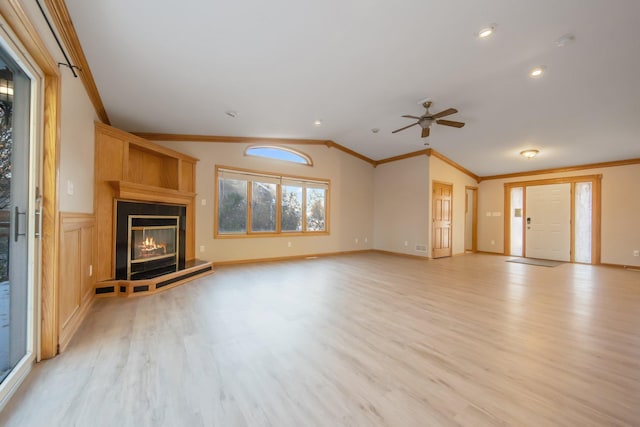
(176, 67)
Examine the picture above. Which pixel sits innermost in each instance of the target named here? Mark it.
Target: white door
(548, 222)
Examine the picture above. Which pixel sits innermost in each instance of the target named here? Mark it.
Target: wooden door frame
(474, 219)
(450, 184)
(596, 196)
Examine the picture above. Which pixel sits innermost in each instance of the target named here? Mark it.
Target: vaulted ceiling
(178, 67)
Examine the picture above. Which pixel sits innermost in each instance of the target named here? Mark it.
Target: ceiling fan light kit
(427, 119)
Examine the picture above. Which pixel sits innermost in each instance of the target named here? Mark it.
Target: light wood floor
(357, 340)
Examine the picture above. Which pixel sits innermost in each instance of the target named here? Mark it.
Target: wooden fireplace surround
(131, 168)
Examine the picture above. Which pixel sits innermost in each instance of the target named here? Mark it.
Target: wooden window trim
(278, 233)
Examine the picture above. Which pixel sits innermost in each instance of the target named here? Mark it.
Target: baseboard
(622, 266)
(490, 253)
(72, 326)
(401, 254)
(290, 258)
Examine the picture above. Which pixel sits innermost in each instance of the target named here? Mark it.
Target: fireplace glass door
(153, 246)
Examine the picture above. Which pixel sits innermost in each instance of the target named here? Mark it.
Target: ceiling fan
(427, 119)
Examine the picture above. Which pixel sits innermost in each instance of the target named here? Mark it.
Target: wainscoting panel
(76, 280)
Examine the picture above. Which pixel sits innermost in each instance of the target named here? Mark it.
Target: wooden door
(441, 200)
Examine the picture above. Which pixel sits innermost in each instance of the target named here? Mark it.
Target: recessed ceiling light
(529, 154)
(375, 130)
(231, 113)
(536, 72)
(317, 123)
(487, 31)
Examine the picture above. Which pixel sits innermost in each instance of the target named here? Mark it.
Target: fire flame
(149, 243)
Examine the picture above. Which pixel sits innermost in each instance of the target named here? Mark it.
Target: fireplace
(153, 244)
(150, 239)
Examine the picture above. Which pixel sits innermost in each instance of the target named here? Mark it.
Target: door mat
(534, 261)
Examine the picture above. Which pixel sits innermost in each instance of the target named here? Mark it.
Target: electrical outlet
(406, 243)
(203, 202)
(288, 244)
(493, 242)
(366, 240)
(201, 248)
(636, 252)
(356, 240)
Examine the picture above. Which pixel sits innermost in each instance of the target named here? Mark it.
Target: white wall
(76, 128)
(620, 212)
(351, 202)
(401, 206)
(77, 146)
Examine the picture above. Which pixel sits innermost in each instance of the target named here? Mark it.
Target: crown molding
(455, 165)
(62, 21)
(565, 169)
(425, 152)
(176, 137)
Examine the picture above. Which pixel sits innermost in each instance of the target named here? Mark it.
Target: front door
(442, 212)
(548, 222)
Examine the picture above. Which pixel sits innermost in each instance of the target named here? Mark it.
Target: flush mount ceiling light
(231, 113)
(529, 154)
(536, 72)
(317, 123)
(486, 31)
(375, 130)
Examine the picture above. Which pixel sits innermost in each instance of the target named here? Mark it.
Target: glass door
(17, 218)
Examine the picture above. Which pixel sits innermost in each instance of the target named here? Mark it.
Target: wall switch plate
(201, 248)
(406, 243)
(70, 188)
(203, 202)
(636, 252)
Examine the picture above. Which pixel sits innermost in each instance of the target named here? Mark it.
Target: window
(232, 205)
(279, 153)
(252, 203)
(263, 207)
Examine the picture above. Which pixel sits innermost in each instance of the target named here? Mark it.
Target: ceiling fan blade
(446, 112)
(406, 127)
(425, 132)
(411, 117)
(450, 123)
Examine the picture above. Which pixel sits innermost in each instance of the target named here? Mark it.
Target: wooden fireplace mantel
(131, 168)
(126, 190)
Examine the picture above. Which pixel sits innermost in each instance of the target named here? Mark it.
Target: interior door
(548, 222)
(442, 200)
